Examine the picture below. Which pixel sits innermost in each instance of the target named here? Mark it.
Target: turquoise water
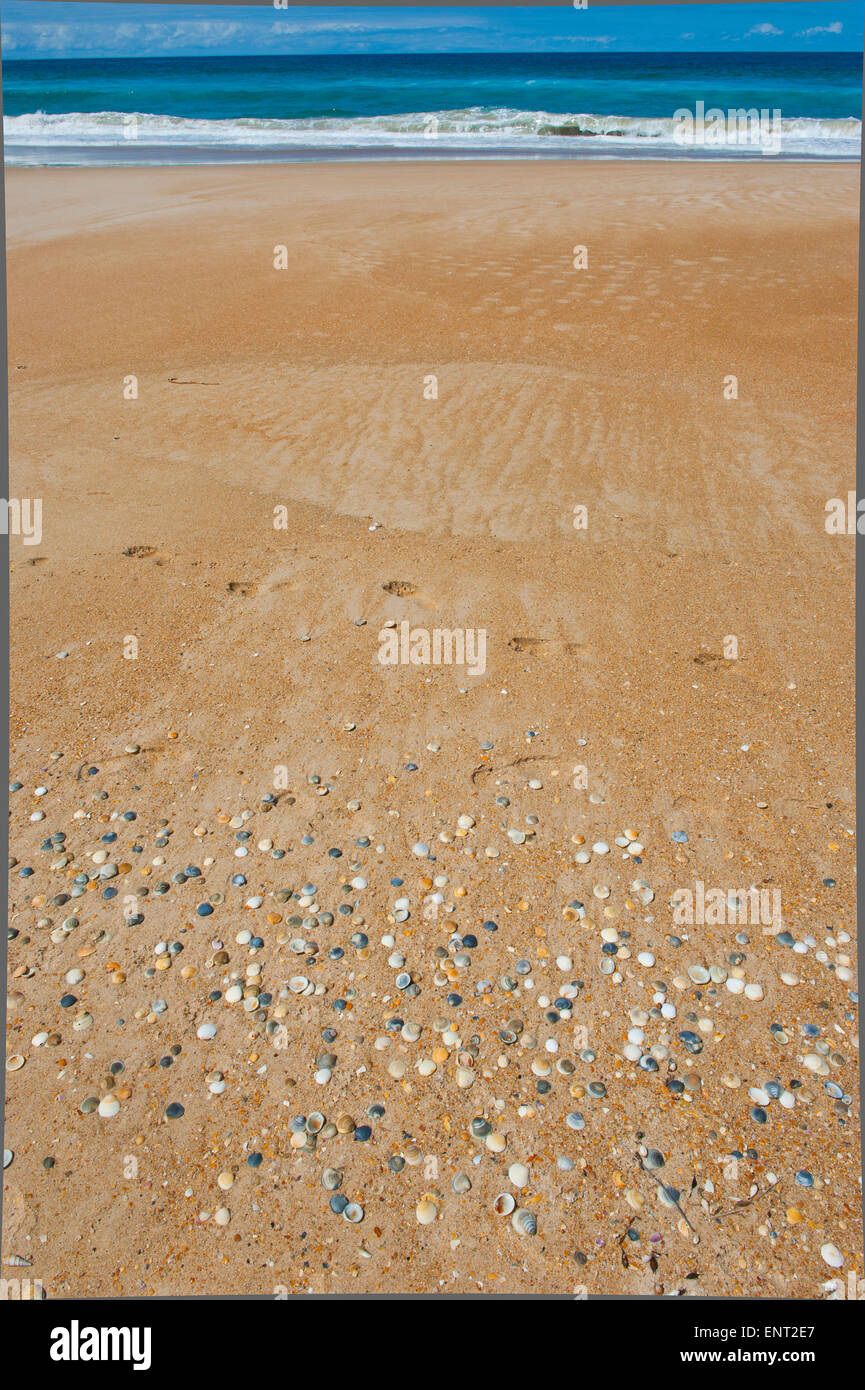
(453, 105)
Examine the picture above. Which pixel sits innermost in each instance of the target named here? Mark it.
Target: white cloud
(106, 38)
(764, 31)
(820, 29)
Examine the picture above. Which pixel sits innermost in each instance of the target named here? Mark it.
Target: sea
(439, 106)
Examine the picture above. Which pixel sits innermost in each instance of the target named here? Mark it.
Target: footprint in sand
(401, 588)
(546, 646)
(145, 552)
(245, 588)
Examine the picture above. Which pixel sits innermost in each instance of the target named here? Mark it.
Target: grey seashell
(461, 1183)
(314, 1122)
(331, 1179)
(524, 1223)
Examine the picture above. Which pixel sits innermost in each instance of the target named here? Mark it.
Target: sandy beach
(401, 426)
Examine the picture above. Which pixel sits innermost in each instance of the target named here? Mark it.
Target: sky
(49, 29)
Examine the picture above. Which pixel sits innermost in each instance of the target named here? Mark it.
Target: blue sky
(56, 30)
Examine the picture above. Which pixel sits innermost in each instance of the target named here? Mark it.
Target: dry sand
(303, 388)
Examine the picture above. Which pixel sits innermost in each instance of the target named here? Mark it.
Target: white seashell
(206, 1030)
(832, 1255)
(814, 1062)
(518, 1174)
(600, 847)
(426, 1211)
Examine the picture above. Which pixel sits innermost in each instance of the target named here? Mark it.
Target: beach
(595, 412)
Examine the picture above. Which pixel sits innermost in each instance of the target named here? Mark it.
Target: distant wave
(478, 127)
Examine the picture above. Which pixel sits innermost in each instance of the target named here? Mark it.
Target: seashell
(699, 974)
(331, 1179)
(314, 1122)
(353, 1213)
(504, 1204)
(524, 1223)
(426, 1211)
(15, 1062)
(18, 1261)
(461, 1183)
(518, 1173)
(832, 1255)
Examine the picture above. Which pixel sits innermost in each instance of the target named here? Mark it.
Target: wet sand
(302, 397)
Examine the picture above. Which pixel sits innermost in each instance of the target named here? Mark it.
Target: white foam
(478, 128)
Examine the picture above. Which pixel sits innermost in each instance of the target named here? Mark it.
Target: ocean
(585, 105)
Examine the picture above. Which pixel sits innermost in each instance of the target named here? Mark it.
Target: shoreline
(153, 157)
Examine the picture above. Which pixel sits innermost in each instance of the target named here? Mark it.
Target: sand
(304, 389)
